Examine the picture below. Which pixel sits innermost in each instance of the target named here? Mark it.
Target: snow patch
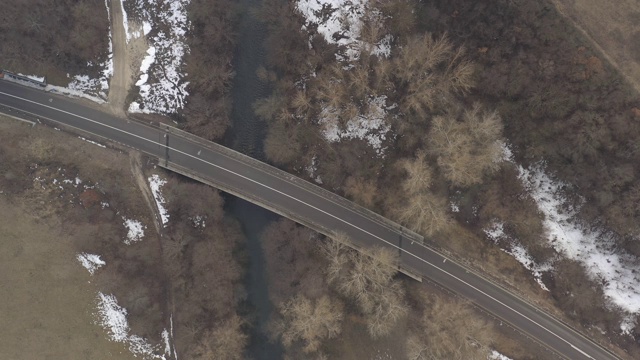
(146, 28)
(113, 318)
(161, 82)
(92, 142)
(91, 262)
(167, 344)
(156, 183)
(75, 93)
(198, 221)
(506, 153)
(312, 169)
(135, 230)
(340, 22)
(147, 62)
(595, 249)
(175, 353)
(496, 233)
(494, 355)
(33, 77)
(128, 30)
(628, 324)
(125, 22)
(371, 127)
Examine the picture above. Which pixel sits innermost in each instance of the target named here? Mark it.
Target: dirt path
(614, 29)
(135, 159)
(127, 58)
(122, 77)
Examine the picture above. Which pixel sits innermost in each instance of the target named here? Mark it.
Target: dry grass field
(613, 27)
(46, 297)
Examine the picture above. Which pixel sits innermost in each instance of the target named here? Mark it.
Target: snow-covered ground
(34, 77)
(371, 127)
(312, 170)
(92, 142)
(135, 230)
(496, 233)
(156, 183)
(161, 82)
(113, 318)
(91, 262)
(340, 22)
(130, 32)
(494, 355)
(595, 249)
(62, 182)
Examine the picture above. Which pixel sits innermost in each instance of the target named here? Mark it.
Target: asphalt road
(301, 202)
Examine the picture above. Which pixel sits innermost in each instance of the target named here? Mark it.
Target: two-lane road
(306, 204)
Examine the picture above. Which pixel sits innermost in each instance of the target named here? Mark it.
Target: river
(246, 135)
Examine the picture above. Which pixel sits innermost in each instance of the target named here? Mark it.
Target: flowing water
(246, 136)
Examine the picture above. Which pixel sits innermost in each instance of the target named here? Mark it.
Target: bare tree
(387, 308)
(419, 174)
(207, 117)
(293, 263)
(361, 190)
(449, 330)
(302, 102)
(368, 279)
(467, 148)
(424, 212)
(281, 145)
(417, 348)
(336, 252)
(420, 208)
(420, 75)
(310, 321)
(227, 341)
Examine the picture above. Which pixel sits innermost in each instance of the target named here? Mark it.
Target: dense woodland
(202, 254)
(321, 286)
(465, 78)
(565, 107)
(462, 78)
(208, 65)
(426, 76)
(53, 38)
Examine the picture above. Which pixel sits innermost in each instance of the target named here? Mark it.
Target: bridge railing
(237, 191)
(408, 233)
(11, 76)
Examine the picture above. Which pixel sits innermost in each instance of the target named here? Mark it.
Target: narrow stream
(246, 135)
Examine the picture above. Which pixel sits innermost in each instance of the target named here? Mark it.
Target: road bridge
(300, 201)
